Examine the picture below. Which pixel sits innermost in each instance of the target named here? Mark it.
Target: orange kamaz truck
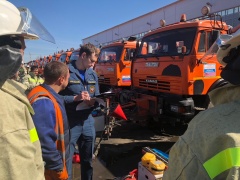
(114, 67)
(75, 54)
(172, 74)
(65, 56)
(56, 56)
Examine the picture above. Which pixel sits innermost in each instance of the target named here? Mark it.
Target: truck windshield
(63, 58)
(167, 43)
(54, 58)
(110, 54)
(74, 56)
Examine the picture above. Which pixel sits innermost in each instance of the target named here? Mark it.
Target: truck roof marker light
(205, 10)
(162, 23)
(183, 18)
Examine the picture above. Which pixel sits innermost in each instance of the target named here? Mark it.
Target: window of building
(235, 9)
(223, 13)
(229, 11)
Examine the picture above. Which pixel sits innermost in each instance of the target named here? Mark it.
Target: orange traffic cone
(118, 113)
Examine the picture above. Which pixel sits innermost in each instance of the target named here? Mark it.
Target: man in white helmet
(20, 150)
(210, 148)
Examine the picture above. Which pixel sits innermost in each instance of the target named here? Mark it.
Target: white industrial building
(228, 9)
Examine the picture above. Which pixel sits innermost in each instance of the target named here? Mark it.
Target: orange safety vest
(34, 94)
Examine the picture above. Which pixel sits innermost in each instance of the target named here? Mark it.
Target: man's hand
(82, 96)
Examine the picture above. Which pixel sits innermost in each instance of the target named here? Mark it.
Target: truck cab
(75, 54)
(171, 73)
(114, 65)
(56, 56)
(65, 56)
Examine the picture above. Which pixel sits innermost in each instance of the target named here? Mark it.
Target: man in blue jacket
(83, 79)
(51, 121)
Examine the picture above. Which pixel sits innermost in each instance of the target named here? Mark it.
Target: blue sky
(71, 21)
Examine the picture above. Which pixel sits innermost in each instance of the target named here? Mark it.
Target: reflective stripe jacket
(210, 148)
(75, 86)
(20, 150)
(30, 80)
(51, 122)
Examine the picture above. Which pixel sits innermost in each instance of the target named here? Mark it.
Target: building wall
(171, 13)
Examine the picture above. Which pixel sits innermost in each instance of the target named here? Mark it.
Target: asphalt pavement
(122, 152)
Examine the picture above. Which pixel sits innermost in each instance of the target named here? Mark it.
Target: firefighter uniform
(210, 147)
(81, 122)
(19, 144)
(20, 150)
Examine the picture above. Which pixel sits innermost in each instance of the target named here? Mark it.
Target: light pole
(148, 23)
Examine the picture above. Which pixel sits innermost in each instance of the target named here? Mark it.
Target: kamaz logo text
(151, 81)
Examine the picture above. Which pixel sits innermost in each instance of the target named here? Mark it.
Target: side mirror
(184, 49)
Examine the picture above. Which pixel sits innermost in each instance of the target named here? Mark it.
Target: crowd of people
(29, 76)
(40, 126)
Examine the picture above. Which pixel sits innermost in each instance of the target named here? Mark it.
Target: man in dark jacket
(83, 81)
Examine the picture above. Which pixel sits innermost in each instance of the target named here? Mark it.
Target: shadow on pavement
(122, 152)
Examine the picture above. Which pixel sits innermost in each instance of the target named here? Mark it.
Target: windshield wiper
(166, 54)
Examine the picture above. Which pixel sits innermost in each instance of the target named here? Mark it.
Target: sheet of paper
(100, 101)
(82, 105)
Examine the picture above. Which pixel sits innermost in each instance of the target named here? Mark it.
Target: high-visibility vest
(40, 91)
(35, 80)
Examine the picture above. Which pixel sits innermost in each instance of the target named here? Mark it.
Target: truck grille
(173, 85)
(162, 85)
(104, 81)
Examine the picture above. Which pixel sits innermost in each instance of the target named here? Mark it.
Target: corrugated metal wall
(171, 14)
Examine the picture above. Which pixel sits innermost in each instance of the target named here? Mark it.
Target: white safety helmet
(20, 21)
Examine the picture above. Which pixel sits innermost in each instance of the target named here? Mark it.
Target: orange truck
(65, 56)
(114, 67)
(75, 54)
(56, 56)
(172, 74)
(49, 58)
